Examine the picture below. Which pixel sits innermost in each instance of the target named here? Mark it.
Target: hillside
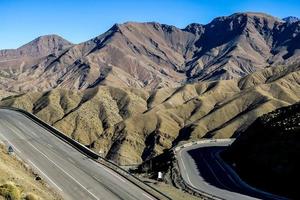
(152, 55)
(266, 154)
(15, 63)
(41, 46)
(131, 125)
(18, 182)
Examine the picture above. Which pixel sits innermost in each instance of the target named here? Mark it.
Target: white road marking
(212, 171)
(115, 175)
(69, 159)
(228, 175)
(189, 180)
(183, 163)
(146, 195)
(16, 131)
(3, 138)
(44, 174)
(14, 147)
(64, 172)
(217, 161)
(187, 174)
(233, 180)
(26, 128)
(62, 142)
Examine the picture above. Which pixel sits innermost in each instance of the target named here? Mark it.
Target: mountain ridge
(151, 55)
(291, 19)
(38, 47)
(131, 125)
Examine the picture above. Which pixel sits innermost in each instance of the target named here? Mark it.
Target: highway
(203, 170)
(71, 173)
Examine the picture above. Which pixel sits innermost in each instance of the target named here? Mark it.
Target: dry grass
(130, 125)
(174, 193)
(18, 182)
(31, 196)
(10, 191)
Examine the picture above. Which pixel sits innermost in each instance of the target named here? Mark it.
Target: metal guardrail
(201, 192)
(96, 157)
(203, 141)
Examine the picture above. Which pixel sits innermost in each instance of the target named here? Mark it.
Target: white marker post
(160, 176)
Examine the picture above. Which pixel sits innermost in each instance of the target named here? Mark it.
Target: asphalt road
(71, 173)
(203, 169)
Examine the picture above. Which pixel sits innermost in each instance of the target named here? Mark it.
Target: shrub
(31, 196)
(10, 191)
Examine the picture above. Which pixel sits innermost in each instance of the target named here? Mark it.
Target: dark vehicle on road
(10, 150)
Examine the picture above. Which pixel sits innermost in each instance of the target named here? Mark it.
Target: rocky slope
(130, 125)
(267, 153)
(15, 63)
(41, 46)
(291, 19)
(153, 55)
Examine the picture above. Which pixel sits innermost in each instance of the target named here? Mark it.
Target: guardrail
(207, 141)
(203, 141)
(96, 157)
(197, 190)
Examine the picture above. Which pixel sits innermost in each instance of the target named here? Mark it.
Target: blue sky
(79, 20)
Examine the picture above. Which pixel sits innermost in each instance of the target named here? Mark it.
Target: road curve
(72, 174)
(202, 169)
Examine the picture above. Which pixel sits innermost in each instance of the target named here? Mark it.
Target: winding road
(204, 171)
(71, 173)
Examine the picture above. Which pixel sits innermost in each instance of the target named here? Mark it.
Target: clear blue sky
(79, 20)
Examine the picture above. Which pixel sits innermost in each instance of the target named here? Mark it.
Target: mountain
(141, 88)
(291, 19)
(266, 154)
(130, 125)
(152, 55)
(15, 63)
(39, 47)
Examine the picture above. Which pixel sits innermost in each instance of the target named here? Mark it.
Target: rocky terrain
(18, 181)
(141, 88)
(266, 155)
(131, 125)
(152, 55)
(291, 19)
(40, 47)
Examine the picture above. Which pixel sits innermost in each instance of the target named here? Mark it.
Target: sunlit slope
(152, 55)
(131, 125)
(18, 181)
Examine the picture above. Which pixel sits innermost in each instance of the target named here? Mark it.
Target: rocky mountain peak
(291, 19)
(39, 47)
(44, 45)
(194, 28)
(153, 55)
(246, 19)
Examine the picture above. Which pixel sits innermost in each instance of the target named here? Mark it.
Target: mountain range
(142, 88)
(129, 125)
(152, 55)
